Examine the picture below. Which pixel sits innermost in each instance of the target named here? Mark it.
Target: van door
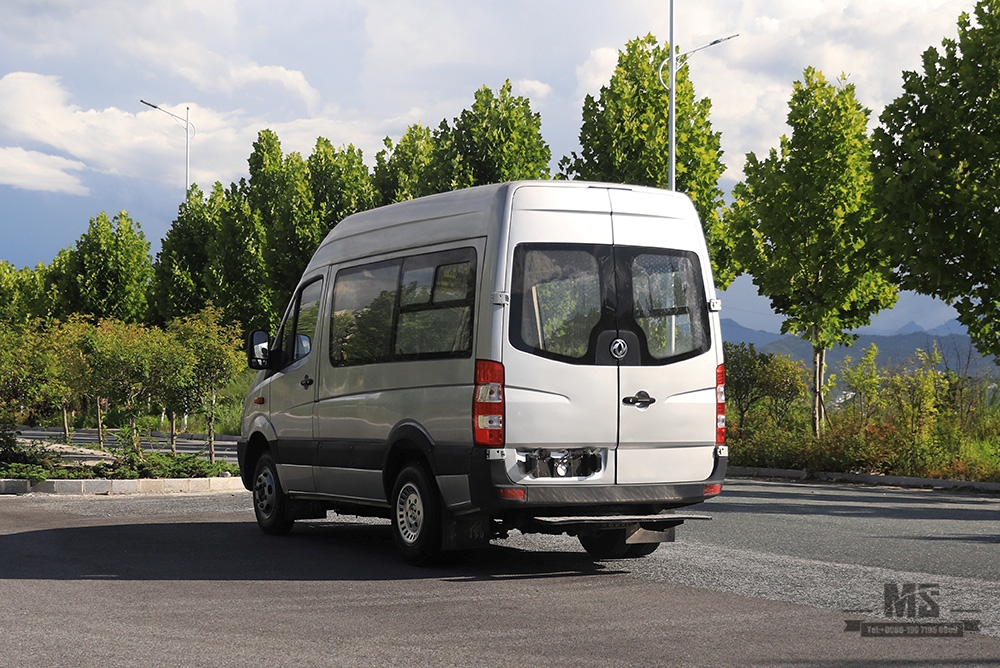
(668, 395)
(293, 388)
(608, 349)
(561, 389)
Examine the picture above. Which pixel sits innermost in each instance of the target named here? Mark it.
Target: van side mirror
(257, 349)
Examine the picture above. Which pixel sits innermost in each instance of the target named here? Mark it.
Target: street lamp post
(188, 127)
(672, 113)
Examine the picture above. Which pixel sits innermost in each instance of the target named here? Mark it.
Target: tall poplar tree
(938, 176)
(340, 183)
(111, 269)
(237, 277)
(498, 139)
(625, 139)
(804, 223)
(399, 168)
(179, 287)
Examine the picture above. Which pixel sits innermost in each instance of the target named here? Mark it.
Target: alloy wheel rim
(263, 492)
(409, 513)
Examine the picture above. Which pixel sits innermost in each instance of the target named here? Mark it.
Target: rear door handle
(640, 400)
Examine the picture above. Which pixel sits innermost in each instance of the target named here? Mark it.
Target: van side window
(299, 329)
(437, 295)
(364, 299)
(668, 303)
(419, 307)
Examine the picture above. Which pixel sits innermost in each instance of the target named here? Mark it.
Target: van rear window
(564, 297)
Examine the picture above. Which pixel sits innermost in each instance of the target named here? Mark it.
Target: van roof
(448, 216)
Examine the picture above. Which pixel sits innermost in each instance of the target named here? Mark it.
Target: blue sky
(75, 140)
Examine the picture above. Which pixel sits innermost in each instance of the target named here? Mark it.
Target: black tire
(416, 516)
(270, 504)
(607, 544)
(610, 544)
(637, 550)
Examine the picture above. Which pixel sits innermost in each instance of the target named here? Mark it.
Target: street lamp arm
(659, 72)
(189, 126)
(712, 43)
(189, 131)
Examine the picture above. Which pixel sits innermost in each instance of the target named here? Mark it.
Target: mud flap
(464, 532)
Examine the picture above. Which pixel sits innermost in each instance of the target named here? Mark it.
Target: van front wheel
(416, 516)
(270, 504)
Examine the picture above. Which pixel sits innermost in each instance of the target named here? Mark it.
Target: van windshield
(565, 296)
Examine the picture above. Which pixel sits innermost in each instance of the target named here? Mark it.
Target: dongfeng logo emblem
(619, 349)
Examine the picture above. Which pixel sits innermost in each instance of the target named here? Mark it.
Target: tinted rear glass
(564, 297)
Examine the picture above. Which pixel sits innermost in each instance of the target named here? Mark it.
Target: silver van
(542, 356)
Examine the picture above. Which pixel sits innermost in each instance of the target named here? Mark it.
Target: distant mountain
(955, 346)
(950, 327)
(733, 332)
(909, 328)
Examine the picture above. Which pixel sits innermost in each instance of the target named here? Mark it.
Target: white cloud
(596, 71)
(32, 170)
(535, 90)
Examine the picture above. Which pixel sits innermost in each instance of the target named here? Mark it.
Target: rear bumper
(489, 480)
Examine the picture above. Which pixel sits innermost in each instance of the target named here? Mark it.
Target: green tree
(237, 277)
(400, 169)
(215, 352)
(266, 185)
(340, 183)
(125, 360)
(14, 375)
(179, 272)
(111, 269)
(499, 139)
(938, 178)
(295, 231)
(804, 224)
(625, 139)
(65, 371)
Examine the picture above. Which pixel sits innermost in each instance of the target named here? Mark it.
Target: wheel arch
(257, 445)
(408, 443)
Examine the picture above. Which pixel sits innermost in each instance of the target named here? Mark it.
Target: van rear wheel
(607, 544)
(610, 544)
(270, 504)
(416, 516)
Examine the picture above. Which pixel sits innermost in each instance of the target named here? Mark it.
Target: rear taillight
(720, 405)
(488, 405)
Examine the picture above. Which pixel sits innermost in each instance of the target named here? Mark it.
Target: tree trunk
(65, 412)
(819, 404)
(173, 433)
(211, 430)
(100, 425)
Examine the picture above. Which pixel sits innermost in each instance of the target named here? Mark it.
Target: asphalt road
(189, 580)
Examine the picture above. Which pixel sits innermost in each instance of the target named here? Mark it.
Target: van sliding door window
(436, 299)
(419, 307)
(364, 299)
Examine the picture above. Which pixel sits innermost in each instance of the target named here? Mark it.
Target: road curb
(104, 486)
(863, 479)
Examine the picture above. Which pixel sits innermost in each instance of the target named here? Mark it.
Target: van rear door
(608, 351)
(668, 395)
(560, 403)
